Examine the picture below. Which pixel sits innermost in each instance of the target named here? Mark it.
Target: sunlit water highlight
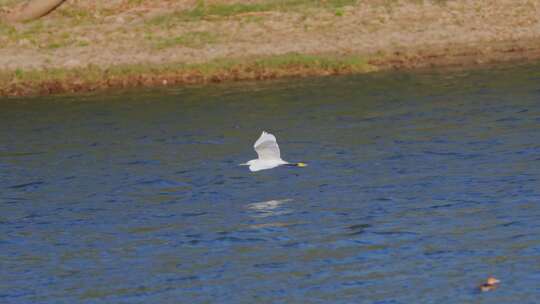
(419, 186)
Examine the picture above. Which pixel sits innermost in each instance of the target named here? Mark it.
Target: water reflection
(270, 208)
(272, 225)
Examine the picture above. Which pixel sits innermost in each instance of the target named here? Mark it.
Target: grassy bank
(89, 45)
(91, 78)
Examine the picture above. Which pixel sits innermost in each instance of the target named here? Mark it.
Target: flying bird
(269, 156)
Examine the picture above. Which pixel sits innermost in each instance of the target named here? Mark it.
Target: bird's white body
(269, 155)
(260, 164)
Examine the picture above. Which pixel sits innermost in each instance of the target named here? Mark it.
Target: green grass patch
(35, 82)
(7, 31)
(9, 3)
(75, 13)
(59, 40)
(293, 60)
(277, 62)
(202, 10)
(135, 2)
(35, 33)
(226, 10)
(196, 39)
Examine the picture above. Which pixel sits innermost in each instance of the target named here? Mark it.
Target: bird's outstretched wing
(266, 147)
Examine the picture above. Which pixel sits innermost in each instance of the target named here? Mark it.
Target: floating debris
(490, 284)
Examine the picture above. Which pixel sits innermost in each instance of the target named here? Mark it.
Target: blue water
(419, 186)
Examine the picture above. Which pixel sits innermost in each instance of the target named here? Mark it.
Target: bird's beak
(301, 165)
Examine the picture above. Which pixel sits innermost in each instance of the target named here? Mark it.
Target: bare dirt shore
(89, 45)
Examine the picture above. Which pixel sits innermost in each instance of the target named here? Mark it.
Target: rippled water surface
(419, 186)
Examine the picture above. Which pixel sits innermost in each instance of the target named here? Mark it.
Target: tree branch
(33, 9)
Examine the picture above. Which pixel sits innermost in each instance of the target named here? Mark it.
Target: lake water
(419, 186)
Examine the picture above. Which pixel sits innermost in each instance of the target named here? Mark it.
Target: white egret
(269, 156)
